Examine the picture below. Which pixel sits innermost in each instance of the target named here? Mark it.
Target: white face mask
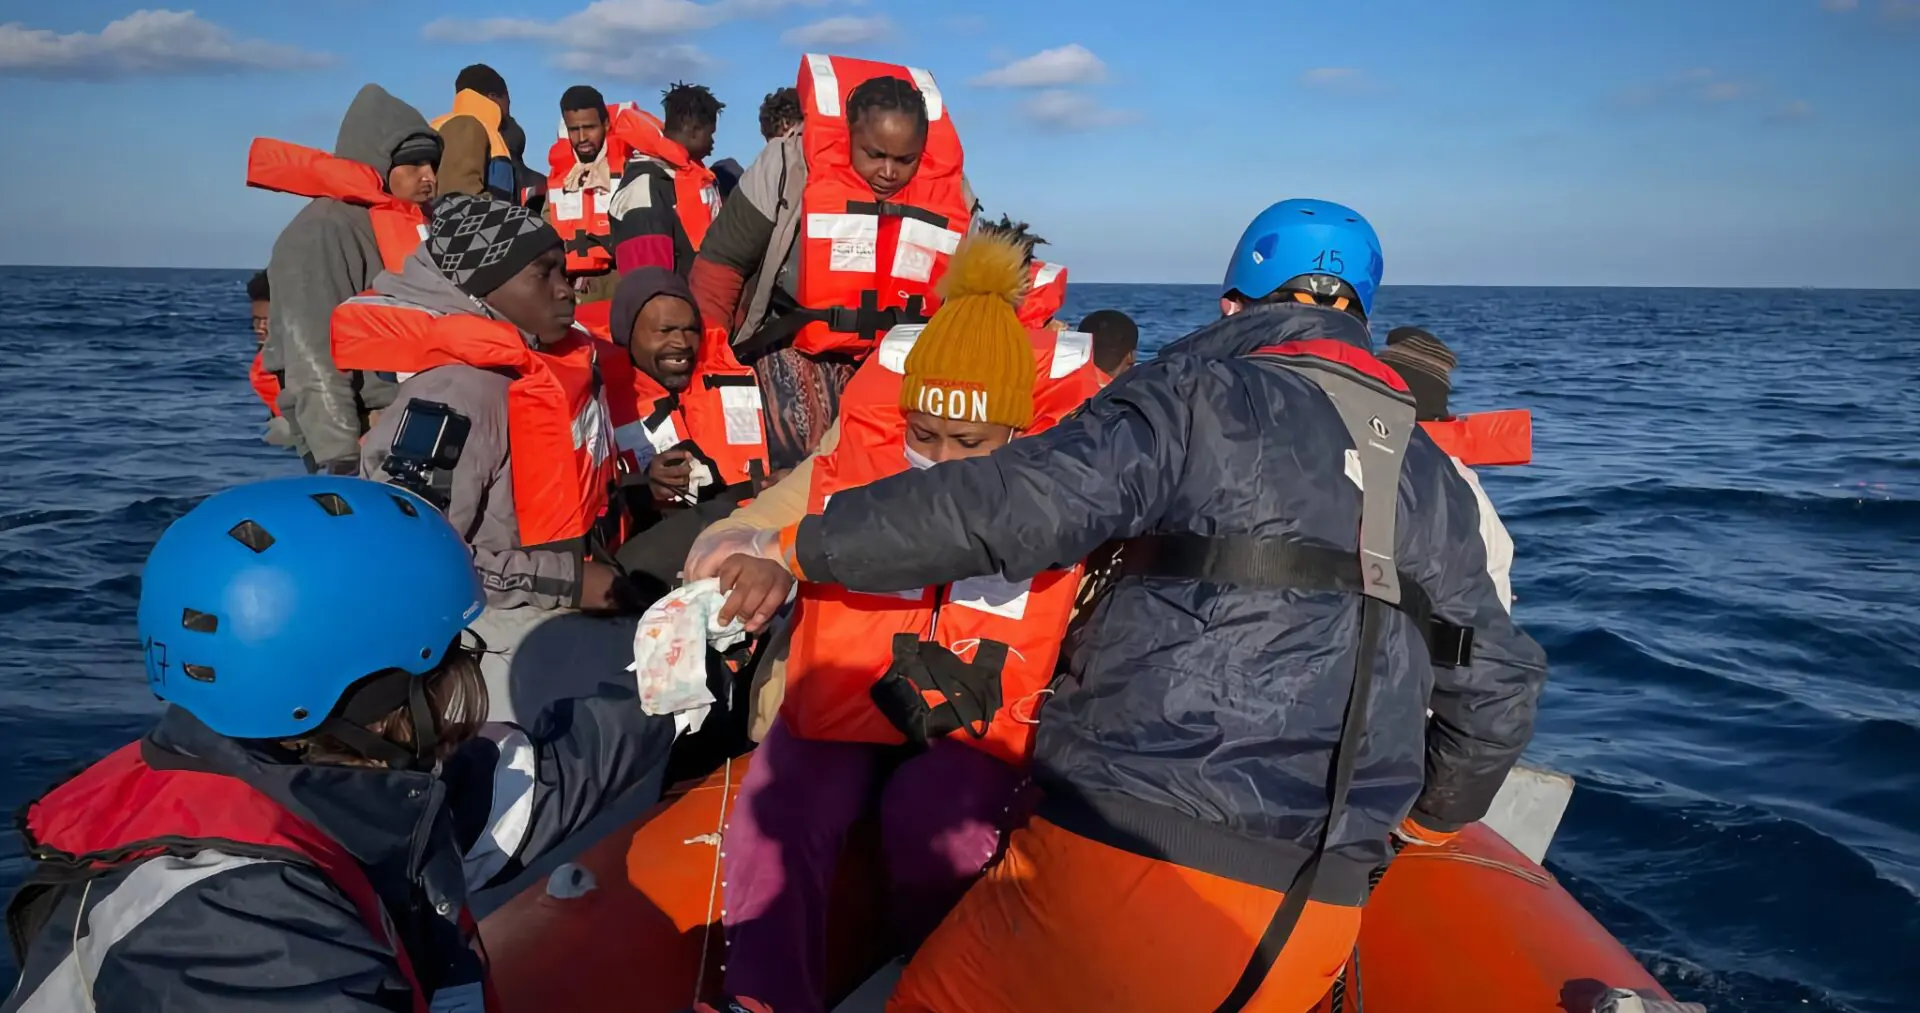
(916, 460)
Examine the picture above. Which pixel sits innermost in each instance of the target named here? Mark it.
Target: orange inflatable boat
(1477, 926)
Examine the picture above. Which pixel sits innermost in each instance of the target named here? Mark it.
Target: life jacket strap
(1280, 563)
(928, 693)
(867, 320)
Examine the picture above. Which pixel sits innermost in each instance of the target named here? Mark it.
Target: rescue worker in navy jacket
(302, 828)
(1244, 727)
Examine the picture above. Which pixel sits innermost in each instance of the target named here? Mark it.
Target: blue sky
(1694, 142)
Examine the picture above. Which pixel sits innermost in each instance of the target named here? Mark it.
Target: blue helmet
(265, 602)
(1302, 239)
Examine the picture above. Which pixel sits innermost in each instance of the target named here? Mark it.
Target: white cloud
(841, 31)
(1701, 85)
(635, 39)
(146, 43)
(1071, 112)
(1050, 68)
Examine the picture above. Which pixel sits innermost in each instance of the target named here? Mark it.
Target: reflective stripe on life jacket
(563, 465)
(696, 194)
(1046, 293)
(1485, 438)
(398, 225)
(844, 642)
(120, 811)
(867, 264)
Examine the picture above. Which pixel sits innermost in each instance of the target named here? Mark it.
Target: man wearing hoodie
(480, 320)
(364, 217)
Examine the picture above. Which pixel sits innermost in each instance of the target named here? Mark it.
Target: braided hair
(886, 94)
(690, 105)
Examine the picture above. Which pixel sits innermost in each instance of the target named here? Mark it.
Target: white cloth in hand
(670, 651)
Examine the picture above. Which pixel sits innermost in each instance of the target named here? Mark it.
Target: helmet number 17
(1329, 261)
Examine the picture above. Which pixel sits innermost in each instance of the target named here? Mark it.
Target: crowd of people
(1144, 668)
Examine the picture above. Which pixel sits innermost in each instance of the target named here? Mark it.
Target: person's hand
(769, 481)
(755, 590)
(669, 475)
(597, 586)
(713, 547)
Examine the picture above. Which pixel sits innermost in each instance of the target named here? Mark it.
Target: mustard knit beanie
(974, 362)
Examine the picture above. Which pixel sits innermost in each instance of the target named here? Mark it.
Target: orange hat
(974, 361)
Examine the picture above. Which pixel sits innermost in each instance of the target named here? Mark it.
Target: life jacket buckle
(928, 693)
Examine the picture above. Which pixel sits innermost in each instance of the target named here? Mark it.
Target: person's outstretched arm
(1042, 502)
(517, 793)
(1483, 713)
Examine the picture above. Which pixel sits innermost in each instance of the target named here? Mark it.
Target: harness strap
(867, 320)
(929, 693)
(1281, 563)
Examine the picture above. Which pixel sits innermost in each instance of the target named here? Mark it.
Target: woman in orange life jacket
(835, 234)
(1426, 363)
(304, 826)
(862, 670)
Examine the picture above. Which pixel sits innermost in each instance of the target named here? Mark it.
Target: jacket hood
(468, 102)
(375, 125)
(373, 812)
(420, 283)
(1259, 326)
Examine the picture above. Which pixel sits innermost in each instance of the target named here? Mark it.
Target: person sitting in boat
(1244, 727)
(835, 234)
(265, 383)
(579, 187)
(667, 197)
(1116, 341)
(854, 721)
(303, 827)
(366, 216)
(1426, 363)
(501, 422)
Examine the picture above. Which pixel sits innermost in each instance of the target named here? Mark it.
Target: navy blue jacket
(231, 931)
(1199, 719)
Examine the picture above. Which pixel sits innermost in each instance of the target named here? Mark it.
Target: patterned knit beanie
(974, 361)
(480, 242)
(1426, 363)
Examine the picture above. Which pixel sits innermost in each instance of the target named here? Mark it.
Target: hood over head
(640, 287)
(1256, 327)
(375, 126)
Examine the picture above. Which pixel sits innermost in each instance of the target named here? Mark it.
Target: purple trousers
(941, 816)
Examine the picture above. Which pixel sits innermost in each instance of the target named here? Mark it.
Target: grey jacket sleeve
(269, 937)
(317, 263)
(518, 793)
(1039, 503)
(479, 502)
(1483, 713)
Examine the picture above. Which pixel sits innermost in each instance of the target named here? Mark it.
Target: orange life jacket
(1486, 438)
(1046, 293)
(580, 216)
(718, 414)
(843, 641)
(563, 467)
(867, 264)
(265, 385)
(695, 190)
(398, 225)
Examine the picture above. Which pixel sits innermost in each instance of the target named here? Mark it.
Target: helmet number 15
(1330, 262)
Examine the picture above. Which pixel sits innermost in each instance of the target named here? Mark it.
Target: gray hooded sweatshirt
(481, 503)
(324, 257)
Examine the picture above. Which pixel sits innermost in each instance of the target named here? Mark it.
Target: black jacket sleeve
(1483, 713)
(518, 793)
(1039, 503)
(269, 937)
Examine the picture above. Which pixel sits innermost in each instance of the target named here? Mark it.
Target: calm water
(1719, 548)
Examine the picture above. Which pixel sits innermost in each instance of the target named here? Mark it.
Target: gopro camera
(425, 448)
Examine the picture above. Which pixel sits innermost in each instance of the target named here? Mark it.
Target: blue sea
(1719, 547)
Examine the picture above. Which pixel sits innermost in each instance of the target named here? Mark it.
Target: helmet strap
(375, 699)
